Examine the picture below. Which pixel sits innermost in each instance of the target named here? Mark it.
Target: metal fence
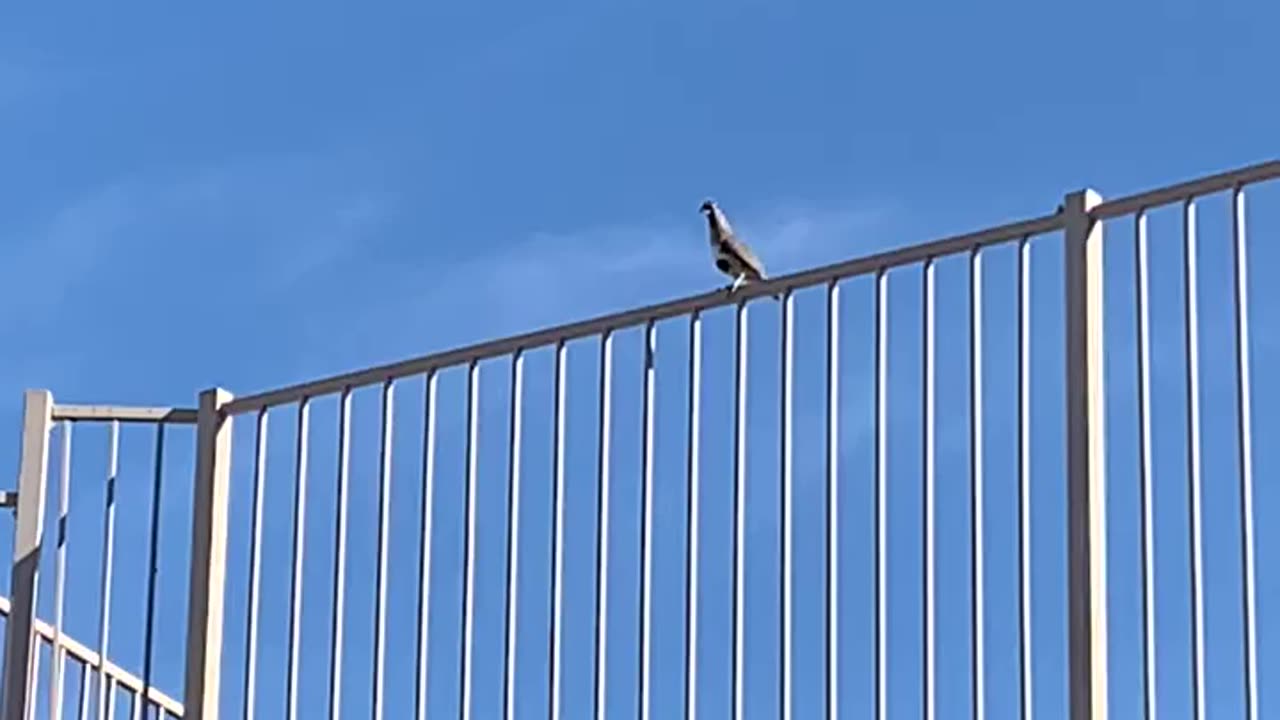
(886, 565)
(41, 655)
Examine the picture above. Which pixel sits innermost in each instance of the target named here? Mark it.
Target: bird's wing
(740, 250)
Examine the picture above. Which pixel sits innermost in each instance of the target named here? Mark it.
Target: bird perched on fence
(732, 256)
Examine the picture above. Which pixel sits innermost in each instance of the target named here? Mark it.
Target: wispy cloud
(40, 265)
(157, 257)
(558, 277)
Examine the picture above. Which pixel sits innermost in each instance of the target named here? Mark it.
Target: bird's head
(708, 206)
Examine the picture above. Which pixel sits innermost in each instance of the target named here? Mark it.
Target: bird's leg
(737, 281)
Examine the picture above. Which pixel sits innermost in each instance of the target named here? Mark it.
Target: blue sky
(254, 198)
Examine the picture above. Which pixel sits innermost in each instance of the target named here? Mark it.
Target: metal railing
(1082, 389)
(99, 679)
(93, 665)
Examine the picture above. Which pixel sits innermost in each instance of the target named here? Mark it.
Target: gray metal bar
(1086, 456)
(337, 624)
(208, 557)
(1142, 305)
(56, 657)
(255, 567)
(82, 713)
(119, 413)
(426, 513)
(881, 493)
(976, 524)
(295, 584)
(602, 524)
(646, 519)
(513, 535)
(929, 589)
(557, 535)
(739, 511)
(153, 566)
(660, 311)
(787, 364)
(833, 502)
(1192, 336)
(692, 521)
(1024, 477)
(108, 562)
(33, 676)
(1187, 190)
(384, 542)
(469, 532)
(1244, 448)
(110, 698)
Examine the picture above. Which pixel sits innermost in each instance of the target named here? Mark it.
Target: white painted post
(208, 556)
(1086, 460)
(33, 477)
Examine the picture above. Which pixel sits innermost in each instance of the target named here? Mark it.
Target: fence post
(208, 556)
(1086, 458)
(28, 533)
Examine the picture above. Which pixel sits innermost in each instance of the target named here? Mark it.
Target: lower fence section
(84, 681)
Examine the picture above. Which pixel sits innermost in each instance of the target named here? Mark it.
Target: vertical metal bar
(881, 493)
(85, 671)
(929, 657)
(295, 584)
(255, 566)
(692, 520)
(384, 542)
(1244, 448)
(739, 510)
(1192, 337)
(108, 561)
(153, 568)
(784, 504)
(33, 675)
(646, 519)
(557, 534)
(469, 532)
(513, 535)
(975, 477)
(1024, 476)
(208, 556)
(56, 659)
(426, 512)
(602, 524)
(833, 501)
(1086, 470)
(108, 705)
(337, 624)
(1144, 466)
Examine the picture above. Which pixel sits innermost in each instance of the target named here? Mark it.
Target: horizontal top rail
(717, 298)
(1187, 190)
(108, 413)
(661, 311)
